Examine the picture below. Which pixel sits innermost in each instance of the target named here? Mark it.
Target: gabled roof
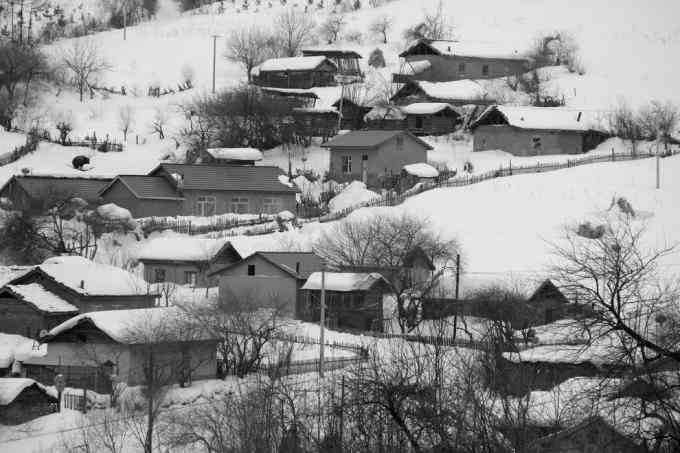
(37, 186)
(11, 388)
(344, 281)
(588, 424)
(40, 297)
(369, 139)
(330, 53)
(86, 277)
(183, 248)
(295, 64)
(547, 289)
(429, 108)
(540, 118)
(146, 187)
(285, 261)
(454, 91)
(139, 326)
(227, 177)
(463, 49)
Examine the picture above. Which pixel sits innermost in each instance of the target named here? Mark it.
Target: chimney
(578, 118)
(82, 284)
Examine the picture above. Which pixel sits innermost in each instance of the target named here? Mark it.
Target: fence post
(84, 400)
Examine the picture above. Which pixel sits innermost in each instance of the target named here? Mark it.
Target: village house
(203, 190)
(346, 61)
(61, 287)
(231, 156)
(185, 262)
(32, 192)
(352, 112)
(444, 60)
(369, 155)
(456, 93)
(548, 304)
(431, 118)
(273, 278)
(535, 131)
(296, 72)
(22, 400)
(92, 347)
(353, 300)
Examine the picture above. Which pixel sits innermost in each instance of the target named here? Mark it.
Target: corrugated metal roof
(228, 177)
(368, 139)
(155, 187)
(86, 188)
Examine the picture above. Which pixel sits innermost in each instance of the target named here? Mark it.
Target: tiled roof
(228, 177)
(86, 188)
(367, 139)
(142, 186)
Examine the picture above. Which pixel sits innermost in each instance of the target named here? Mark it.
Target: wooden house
(353, 300)
(202, 190)
(185, 262)
(271, 278)
(63, 286)
(32, 192)
(534, 131)
(23, 400)
(296, 72)
(370, 155)
(444, 60)
(347, 61)
(92, 347)
(431, 118)
(352, 113)
(456, 93)
(231, 156)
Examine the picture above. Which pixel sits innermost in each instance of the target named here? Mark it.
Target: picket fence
(187, 226)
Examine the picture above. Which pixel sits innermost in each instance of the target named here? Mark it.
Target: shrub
(376, 59)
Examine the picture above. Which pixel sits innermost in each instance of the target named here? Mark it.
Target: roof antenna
(578, 118)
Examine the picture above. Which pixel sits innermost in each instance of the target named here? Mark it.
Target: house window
(205, 206)
(190, 278)
(271, 205)
(347, 164)
(240, 205)
(419, 122)
(159, 275)
(461, 68)
(485, 69)
(251, 269)
(536, 143)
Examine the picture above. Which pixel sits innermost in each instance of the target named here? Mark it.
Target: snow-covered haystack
(355, 193)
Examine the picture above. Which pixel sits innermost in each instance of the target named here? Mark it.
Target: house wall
(21, 318)
(223, 201)
(296, 79)
(269, 285)
(445, 68)
(362, 310)
(432, 125)
(519, 142)
(120, 195)
(520, 378)
(31, 403)
(174, 272)
(17, 195)
(388, 158)
(202, 361)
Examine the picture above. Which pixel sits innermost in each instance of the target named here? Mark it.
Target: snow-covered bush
(376, 59)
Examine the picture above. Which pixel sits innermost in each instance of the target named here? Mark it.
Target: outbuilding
(431, 118)
(22, 400)
(296, 72)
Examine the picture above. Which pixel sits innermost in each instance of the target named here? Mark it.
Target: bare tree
(660, 120)
(249, 47)
(381, 26)
(160, 118)
(386, 244)
(435, 26)
(84, 62)
(293, 29)
(625, 123)
(126, 119)
(557, 48)
(331, 28)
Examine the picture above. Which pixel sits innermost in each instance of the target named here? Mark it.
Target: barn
(22, 400)
(296, 72)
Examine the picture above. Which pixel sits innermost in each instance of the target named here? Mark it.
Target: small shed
(22, 400)
(296, 72)
(353, 300)
(34, 192)
(347, 61)
(431, 118)
(231, 156)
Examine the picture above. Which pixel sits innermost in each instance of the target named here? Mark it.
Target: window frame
(346, 164)
(188, 280)
(202, 204)
(485, 69)
(251, 270)
(420, 121)
(159, 271)
(536, 142)
(462, 67)
(239, 205)
(272, 205)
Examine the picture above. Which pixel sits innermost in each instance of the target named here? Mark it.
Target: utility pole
(124, 20)
(658, 167)
(322, 320)
(214, 37)
(455, 315)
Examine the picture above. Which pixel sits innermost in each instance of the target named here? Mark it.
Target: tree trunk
(148, 443)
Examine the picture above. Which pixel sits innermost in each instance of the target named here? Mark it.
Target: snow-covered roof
(478, 49)
(10, 273)
(421, 170)
(455, 90)
(181, 248)
(235, 153)
(426, 108)
(91, 278)
(140, 326)
(10, 388)
(17, 347)
(343, 281)
(294, 63)
(597, 354)
(41, 298)
(548, 118)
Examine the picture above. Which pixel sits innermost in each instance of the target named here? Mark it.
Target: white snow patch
(237, 154)
(342, 281)
(354, 194)
(421, 170)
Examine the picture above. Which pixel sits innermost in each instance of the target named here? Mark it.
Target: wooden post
(322, 320)
(124, 20)
(84, 400)
(214, 37)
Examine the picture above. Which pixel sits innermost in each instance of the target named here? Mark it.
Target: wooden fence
(74, 401)
(187, 226)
